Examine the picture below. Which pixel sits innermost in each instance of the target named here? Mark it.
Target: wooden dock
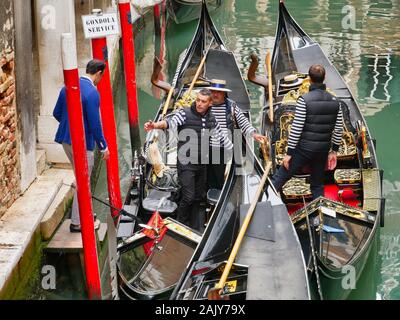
(65, 253)
(68, 242)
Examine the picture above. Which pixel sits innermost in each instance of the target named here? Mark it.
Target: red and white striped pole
(75, 116)
(100, 52)
(128, 47)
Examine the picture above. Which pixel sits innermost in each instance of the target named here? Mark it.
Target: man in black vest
(315, 135)
(196, 125)
(230, 117)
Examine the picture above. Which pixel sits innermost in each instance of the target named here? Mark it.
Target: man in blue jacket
(91, 118)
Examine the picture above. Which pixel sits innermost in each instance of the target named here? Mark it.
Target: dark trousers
(216, 168)
(215, 176)
(317, 163)
(193, 184)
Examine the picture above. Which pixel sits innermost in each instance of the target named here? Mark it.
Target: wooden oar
(270, 96)
(197, 74)
(216, 293)
(187, 94)
(167, 102)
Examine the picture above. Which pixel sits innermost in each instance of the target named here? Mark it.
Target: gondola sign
(100, 25)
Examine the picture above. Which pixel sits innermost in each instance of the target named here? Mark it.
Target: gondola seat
(151, 202)
(297, 188)
(213, 196)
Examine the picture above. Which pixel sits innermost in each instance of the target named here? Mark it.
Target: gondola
(148, 264)
(343, 225)
(269, 264)
(183, 11)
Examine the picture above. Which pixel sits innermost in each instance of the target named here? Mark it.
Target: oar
(217, 291)
(197, 74)
(271, 98)
(187, 94)
(166, 105)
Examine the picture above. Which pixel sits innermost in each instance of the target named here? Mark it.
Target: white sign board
(100, 26)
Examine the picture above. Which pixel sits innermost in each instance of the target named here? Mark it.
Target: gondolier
(192, 124)
(315, 135)
(230, 117)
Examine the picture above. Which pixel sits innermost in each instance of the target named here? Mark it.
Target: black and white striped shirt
(217, 134)
(219, 112)
(298, 124)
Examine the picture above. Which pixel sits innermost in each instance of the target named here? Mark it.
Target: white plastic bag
(139, 6)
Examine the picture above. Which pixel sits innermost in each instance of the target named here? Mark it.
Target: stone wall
(9, 155)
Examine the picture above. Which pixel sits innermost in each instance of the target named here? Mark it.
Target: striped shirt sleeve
(218, 134)
(297, 125)
(177, 120)
(338, 131)
(243, 122)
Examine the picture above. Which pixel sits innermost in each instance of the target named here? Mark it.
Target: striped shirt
(219, 112)
(217, 134)
(298, 124)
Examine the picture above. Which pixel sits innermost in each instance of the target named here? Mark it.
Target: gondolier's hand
(259, 138)
(332, 160)
(286, 161)
(149, 126)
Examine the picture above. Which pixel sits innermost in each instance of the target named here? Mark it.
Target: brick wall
(9, 166)
(9, 155)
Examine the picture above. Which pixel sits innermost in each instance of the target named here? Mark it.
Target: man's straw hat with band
(291, 80)
(218, 85)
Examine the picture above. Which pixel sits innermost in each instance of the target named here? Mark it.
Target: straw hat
(218, 85)
(291, 80)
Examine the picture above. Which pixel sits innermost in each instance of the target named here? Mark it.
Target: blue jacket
(91, 116)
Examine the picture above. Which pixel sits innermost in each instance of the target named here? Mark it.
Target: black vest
(194, 138)
(322, 111)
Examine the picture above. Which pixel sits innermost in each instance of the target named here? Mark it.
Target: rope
(121, 212)
(313, 251)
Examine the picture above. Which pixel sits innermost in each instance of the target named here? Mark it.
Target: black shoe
(75, 228)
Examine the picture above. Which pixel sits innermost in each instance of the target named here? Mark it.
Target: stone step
(40, 161)
(55, 213)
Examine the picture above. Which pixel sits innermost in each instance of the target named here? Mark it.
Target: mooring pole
(156, 11)
(75, 116)
(100, 51)
(128, 47)
(163, 31)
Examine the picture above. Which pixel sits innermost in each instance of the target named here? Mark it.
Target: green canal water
(368, 56)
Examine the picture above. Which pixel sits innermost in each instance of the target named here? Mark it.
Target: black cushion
(213, 196)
